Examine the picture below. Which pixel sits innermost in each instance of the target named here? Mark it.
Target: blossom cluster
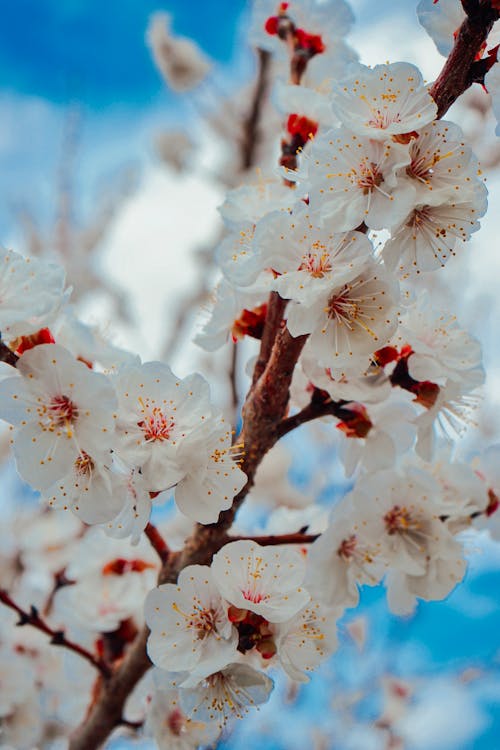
(105, 444)
(373, 193)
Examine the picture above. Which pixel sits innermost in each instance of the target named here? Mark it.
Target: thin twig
(272, 539)
(251, 129)
(157, 542)
(232, 377)
(57, 637)
(314, 410)
(7, 355)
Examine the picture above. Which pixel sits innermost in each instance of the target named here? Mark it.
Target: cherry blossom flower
(331, 20)
(31, 294)
(249, 203)
(157, 411)
(342, 558)
(172, 730)
(190, 629)
(441, 20)
(110, 581)
(386, 100)
(87, 489)
(401, 513)
(390, 433)
(230, 305)
(449, 414)
(349, 322)
(213, 476)
(441, 349)
(264, 580)
(353, 179)
(441, 165)
(370, 388)
(63, 411)
(429, 235)
(226, 695)
(134, 492)
(307, 639)
(309, 257)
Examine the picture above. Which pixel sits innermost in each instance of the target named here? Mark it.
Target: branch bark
(57, 637)
(457, 73)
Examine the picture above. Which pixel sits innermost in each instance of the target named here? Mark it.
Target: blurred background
(106, 169)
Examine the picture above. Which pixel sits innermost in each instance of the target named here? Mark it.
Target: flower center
(347, 548)
(342, 309)
(368, 176)
(84, 465)
(156, 425)
(399, 521)
(62, 411)
(316, 263)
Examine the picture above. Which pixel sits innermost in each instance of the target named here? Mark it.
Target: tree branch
(274, 539)
(251, 135)
(57, 637)
(6, 355)
(157, 542)
(315, 409)
(457, 73)
(274, 318)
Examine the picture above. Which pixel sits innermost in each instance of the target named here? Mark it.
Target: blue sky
(64, 50)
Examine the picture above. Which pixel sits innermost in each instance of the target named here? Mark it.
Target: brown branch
(7, 355)
(315, 409)
(274, 320)
(272, 539)
(232, 377)
(251, 134)
(57, 637)
(458, 71)
(157, 542)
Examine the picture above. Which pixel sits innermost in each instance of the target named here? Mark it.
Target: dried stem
(458, 71)
(57, 637)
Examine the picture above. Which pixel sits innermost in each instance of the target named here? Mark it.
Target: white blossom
(353, 179)
(31, 294)
(190, 629)
(212, 477)
(171, 728)
(349, 322)
(441, 20)
(309, 257)
(157, 411)
(307, 639)
(226, 695)
(386, 100)
(430, 234)
(62, 410)
(264, 580)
